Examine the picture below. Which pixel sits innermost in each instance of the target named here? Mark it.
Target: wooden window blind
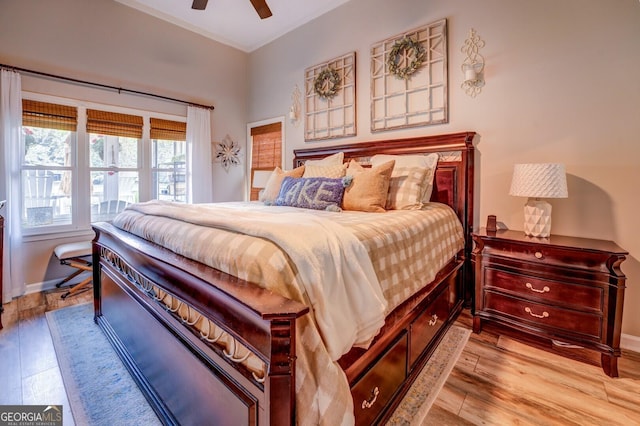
(168, 130)
(114, 124)
(49, 116)
(266, 152)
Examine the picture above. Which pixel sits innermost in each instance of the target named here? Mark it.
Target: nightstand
(562, 294)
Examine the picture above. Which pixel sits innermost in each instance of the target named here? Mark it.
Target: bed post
(281, 388)
(467, 222)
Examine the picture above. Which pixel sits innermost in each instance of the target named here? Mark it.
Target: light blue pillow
(318, 193)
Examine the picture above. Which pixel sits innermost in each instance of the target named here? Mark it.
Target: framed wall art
(330, 99)
(409, 79)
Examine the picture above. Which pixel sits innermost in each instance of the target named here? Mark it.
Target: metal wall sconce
(473, 65)
(296, 107)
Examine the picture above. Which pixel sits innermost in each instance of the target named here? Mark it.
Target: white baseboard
(51, 284)
(630, 342)
(38, 287)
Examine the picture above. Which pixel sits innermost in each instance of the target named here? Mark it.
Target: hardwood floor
(499, 381)
(28, 365)
(496, 381)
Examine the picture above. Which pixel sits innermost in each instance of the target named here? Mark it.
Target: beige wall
(106, 42)
(561, 86)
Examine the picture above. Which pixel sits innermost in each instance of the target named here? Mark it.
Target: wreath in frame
(327, 83)
(412, 50)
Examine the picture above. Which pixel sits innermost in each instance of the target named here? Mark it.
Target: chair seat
(79, 249)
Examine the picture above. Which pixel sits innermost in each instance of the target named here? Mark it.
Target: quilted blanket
(406, 249)
(335, 269)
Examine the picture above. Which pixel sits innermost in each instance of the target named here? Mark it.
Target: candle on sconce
(470, 74)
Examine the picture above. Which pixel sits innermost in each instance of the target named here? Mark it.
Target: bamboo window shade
(114, 124)
(168, 130)
(266, 146)
(49, 116)
(266, 151)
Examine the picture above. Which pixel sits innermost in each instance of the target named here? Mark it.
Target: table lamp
(537, 181)
(260, 179)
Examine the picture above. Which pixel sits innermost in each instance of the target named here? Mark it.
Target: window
(169, 153)
(266, 151)
(86, 164)
(114, 143)
(49, 143)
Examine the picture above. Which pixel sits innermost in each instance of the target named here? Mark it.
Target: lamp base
(537, 218)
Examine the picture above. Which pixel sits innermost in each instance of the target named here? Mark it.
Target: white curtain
(13, 284)
(199, 152)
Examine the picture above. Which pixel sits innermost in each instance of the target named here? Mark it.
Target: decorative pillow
(334, 171)
(403, 161)
(330, 160)
(369, 188)
(311, 193)
(406, 188)
(272, 188)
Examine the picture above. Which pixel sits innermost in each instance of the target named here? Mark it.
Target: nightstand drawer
(573, 322)
(545, 255)
(565, 293)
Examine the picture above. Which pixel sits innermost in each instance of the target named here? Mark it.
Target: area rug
(416, 404)
(99, 387)
(101, 391)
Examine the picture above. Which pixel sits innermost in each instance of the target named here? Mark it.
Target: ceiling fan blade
(199, 4)
(261, 7)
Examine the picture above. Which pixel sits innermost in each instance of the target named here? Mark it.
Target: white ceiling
(235, 22)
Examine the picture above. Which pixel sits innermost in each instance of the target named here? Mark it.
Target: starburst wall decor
(228, 152)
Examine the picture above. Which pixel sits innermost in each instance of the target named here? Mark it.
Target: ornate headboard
(453, 182)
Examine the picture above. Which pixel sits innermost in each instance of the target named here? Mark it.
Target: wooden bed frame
(189, 381)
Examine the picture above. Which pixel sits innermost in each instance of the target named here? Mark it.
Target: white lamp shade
(539, 180)
(260, 178)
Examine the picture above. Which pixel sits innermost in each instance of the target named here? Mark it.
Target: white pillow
(404, 162)
(331, 160)
(335, 171)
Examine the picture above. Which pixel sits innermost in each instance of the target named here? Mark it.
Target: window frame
(81, 169)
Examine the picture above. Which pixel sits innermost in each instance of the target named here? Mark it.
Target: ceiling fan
(259, 5)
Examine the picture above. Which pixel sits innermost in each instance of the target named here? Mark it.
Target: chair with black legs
(78, 255)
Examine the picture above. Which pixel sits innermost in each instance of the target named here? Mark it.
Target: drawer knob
(433, 320)
(545, 314)
(545, 289)
(374, 396)
(538, 255)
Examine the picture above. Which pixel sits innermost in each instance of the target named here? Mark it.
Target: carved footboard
(185, 378)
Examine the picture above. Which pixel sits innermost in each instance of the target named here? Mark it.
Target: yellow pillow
(368, 190)
(272, 188)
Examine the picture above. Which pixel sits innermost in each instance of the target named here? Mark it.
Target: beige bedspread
(406, 248)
